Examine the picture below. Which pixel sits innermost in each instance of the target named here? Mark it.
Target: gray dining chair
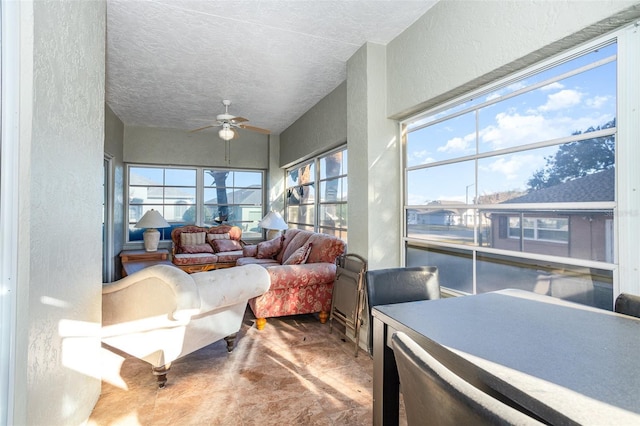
(435, 395)
(628, 304)
(398, 285)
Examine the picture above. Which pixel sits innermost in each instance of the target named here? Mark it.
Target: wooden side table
(135, 260)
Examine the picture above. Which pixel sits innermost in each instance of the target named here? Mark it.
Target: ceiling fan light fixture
(226, 133)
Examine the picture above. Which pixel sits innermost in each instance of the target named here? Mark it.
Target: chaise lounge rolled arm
(161, 313)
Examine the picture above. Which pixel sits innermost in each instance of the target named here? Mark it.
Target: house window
(316, 194)
(515, 184)
(195, 195)
(543, 229)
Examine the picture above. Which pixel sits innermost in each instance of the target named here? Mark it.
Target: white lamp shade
(152, 219)
(273, 220)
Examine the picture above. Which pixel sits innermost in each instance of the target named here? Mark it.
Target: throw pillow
(299, 256)
(269, 249)
(224, 236)
(226, 245)
(198, 248)
(191, 238)
(250, 250)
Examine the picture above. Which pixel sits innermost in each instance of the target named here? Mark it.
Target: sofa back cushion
(293, 240)
(299, 256)
(269, 249)
(225, 245)
(191, 238)
(325, 248)
(211, 236)
(195, 236)
(197, 248)
(177, 238)
(235, 233)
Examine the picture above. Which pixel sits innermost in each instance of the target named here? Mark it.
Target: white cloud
(420, 157)
(561, 100)
(514, 129)
(458, 144)
(597, 101)
(514, 167)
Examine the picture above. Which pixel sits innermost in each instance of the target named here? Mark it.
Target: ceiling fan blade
(201, 128)
(255, 129)
(239, 120)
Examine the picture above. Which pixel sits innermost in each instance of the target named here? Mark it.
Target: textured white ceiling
(170, 63)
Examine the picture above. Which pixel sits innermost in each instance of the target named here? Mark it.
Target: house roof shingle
(599, 186)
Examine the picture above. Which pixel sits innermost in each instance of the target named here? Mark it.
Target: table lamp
(273, 223)
(151, 220)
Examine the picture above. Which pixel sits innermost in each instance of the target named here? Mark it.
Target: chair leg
(323, 316)
(161, 374)
(231, 340)
(260, 323)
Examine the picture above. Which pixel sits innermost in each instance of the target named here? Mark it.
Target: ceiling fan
(229, 123)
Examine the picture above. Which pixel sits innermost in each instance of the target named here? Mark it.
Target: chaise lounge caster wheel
(161, 375)
(231, 340)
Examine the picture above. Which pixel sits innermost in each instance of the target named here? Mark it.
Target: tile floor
(292, 372)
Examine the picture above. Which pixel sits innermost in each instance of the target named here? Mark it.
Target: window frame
(199, 204)
(625, 259)
(318, 204)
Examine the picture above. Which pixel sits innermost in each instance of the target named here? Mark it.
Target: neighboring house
(444, 217)
(578, 234)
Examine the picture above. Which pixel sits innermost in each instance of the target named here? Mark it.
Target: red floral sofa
(302, 267)
(199, 249)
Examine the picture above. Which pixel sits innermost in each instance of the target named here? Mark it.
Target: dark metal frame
(347, 299)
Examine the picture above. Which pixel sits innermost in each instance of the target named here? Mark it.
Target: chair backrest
(628, 304)
(398, 285)
(435, 395)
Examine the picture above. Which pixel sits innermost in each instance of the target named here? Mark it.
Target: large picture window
(515, 185)
(195, 195)
(316, 194)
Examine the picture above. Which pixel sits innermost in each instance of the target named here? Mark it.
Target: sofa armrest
(287, 276)
(159, 290)
(229, 286)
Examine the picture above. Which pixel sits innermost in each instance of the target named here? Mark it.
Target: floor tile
(292, 372)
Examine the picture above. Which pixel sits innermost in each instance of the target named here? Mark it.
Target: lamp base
(273, 233)
(151, 239)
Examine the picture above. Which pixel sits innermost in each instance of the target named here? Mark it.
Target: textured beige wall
(320, 129)
(460, 45)
(60, 252)
(178, 147)
(275, 178)
(374, 201)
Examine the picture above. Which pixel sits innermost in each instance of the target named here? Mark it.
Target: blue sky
(553, 111)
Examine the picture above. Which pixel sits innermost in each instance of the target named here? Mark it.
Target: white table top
(564, 361)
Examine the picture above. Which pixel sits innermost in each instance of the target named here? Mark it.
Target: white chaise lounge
(161, 313)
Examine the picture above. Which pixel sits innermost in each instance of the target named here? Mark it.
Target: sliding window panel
(455, 267)
(450, 184)
(452, 138)
(577, 233)
(332, 190)
(589, 286)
